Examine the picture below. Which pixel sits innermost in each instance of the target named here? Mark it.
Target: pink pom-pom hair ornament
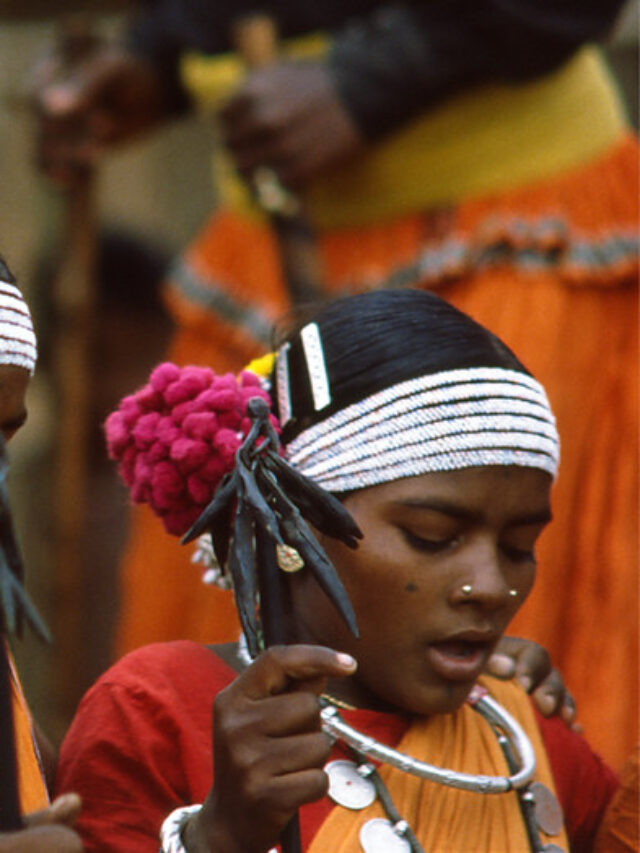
(176, 438)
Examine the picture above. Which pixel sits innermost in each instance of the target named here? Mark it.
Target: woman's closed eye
(519, 543)
(519, 555)
(428, 544)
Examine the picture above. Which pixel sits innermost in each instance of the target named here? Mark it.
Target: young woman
(442, 449)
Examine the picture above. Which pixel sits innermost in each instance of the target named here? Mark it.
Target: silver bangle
(172, 826)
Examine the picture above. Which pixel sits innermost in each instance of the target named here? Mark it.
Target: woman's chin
(426, 700)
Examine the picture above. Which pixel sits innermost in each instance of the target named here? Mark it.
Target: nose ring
(467, 589)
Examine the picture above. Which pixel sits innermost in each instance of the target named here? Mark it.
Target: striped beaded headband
(443, 421)
(17, 336)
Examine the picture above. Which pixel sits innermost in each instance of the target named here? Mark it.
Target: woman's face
(423, 641)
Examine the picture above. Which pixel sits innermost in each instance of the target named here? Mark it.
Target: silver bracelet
(172, 826)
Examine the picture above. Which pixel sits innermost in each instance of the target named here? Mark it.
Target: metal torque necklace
(537, 804)
(335, 726)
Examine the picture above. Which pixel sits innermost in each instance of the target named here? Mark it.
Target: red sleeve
(584, 783)
(140, 744)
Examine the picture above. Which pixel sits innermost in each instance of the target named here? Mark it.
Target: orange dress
(32, 788)
(550, 265)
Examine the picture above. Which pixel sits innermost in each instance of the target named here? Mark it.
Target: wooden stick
(74, 321)
(74, 306)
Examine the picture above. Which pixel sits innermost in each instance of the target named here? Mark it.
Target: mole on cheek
(411, 587)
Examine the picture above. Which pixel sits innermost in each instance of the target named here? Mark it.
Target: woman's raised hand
(269, 749)
(290, 118)
(87, 100)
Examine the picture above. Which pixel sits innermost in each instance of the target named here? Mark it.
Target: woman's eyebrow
(454, 510)
(542, 517)
(440, 505)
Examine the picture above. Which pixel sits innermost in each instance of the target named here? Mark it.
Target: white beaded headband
(440, 422)
(17, 336)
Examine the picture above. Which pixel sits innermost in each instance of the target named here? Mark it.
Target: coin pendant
(377, 836)
(347, 787)
(547, 809)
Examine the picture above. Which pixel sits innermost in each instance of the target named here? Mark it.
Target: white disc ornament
(378, 836)
(347, 787)
(547, 809)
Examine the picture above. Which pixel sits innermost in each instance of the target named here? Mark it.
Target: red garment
(140, 745)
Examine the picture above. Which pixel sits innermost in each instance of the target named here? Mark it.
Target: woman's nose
(483, 581)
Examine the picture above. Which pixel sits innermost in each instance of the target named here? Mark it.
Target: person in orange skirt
(483, 153)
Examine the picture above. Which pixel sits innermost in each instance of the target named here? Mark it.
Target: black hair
(374, 340)
(5, 272)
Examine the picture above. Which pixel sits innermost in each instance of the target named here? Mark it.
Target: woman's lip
(458, 660)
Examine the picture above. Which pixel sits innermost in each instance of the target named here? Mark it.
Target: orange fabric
(619, 831)
(31, 783)
(442, 818)
(552, 270)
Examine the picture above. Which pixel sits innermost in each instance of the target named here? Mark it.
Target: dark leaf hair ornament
(262, 504)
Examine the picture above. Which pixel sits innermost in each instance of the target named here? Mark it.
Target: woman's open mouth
(459, 659)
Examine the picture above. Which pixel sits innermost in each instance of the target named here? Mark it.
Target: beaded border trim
(440, 422)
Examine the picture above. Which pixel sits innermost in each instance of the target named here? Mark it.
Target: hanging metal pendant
(378, 836)
(348, 787)
(553, 848)
(547, 810)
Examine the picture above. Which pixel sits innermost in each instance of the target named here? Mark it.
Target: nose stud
(467, 589)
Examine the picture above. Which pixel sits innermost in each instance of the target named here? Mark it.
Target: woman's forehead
(520, 491)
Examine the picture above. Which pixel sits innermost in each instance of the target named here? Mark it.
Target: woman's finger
(63, 810)
(280, 666)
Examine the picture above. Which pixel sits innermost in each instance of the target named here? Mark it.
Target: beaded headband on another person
(17, 336)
